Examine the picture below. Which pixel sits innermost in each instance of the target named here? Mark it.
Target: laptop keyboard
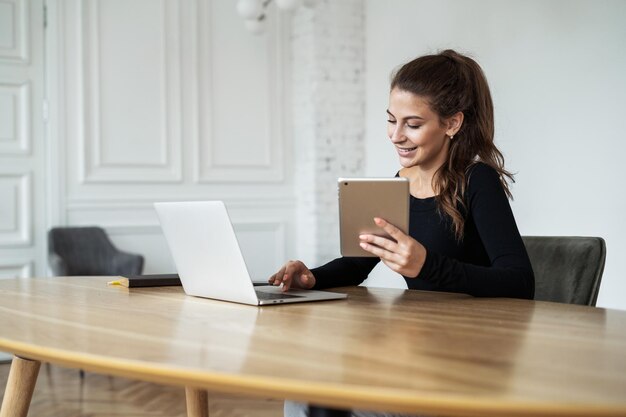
(274, 296)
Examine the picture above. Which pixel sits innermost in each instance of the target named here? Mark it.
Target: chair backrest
(88, 251)
(567, 269)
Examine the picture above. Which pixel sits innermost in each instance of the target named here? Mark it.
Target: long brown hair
(452, 83)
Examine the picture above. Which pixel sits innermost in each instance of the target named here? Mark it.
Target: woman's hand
(405, 256)
(294, 274)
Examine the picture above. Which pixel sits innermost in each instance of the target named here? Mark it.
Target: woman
(462, 233)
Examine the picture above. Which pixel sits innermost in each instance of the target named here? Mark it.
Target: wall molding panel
(139, 139)
(16, 270)
(240, 137)
(15, 210)
(14, 31)
(173, 100)
(15, 111)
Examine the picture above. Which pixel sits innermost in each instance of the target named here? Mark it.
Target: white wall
(557, 72)
(169, 101)
(328, 86)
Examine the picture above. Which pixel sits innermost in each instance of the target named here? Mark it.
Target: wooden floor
(60, 393)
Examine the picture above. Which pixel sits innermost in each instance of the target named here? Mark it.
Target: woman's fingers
(382, 253)
(405, 255)
(293, 274)
(393, 231)
(277, 278)
(290, 270)
(381, 242)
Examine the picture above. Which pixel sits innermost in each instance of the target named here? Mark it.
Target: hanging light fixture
(250, 9)
(254, 11)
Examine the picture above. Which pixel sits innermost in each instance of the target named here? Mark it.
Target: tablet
(362, 199)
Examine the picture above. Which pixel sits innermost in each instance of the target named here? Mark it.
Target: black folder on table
(155, 280)
(151, 280)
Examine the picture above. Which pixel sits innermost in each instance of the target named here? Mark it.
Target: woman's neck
(420, 181)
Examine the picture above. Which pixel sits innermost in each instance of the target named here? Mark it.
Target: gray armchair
(567, 269)
(88, 251)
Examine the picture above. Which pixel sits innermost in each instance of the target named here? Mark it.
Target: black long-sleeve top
(490, 261)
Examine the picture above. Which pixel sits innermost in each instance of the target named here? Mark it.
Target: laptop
(209, 261)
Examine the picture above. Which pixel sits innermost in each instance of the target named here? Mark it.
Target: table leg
(20, 387)
(327, 412)
(197, 402)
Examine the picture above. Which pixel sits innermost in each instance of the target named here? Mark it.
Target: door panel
(22, 153)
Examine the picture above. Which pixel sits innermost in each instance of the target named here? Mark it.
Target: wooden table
(382, 349)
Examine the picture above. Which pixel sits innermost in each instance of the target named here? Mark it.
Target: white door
(22, 153)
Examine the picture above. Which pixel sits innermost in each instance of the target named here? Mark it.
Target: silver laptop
(209, 261)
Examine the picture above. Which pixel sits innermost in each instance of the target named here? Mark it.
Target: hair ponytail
(452, 83)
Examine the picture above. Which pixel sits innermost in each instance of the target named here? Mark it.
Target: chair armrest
(57, 265)
(127, 263)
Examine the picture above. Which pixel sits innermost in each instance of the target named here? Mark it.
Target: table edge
(327, 394)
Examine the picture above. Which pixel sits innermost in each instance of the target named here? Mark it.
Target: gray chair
(567, 269)
(88, 251)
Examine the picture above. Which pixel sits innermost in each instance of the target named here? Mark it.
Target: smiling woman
(449, 94)
(462, 233)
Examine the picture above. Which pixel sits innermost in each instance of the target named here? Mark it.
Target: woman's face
(416, 131)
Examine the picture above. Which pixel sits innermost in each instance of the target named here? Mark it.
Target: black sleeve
(343, 272)
(510, 273)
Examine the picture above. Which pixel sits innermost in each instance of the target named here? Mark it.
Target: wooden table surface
(381, 349)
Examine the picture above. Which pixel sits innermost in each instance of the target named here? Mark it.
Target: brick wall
(328, 97)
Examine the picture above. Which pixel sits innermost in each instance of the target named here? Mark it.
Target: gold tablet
(362, 199)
